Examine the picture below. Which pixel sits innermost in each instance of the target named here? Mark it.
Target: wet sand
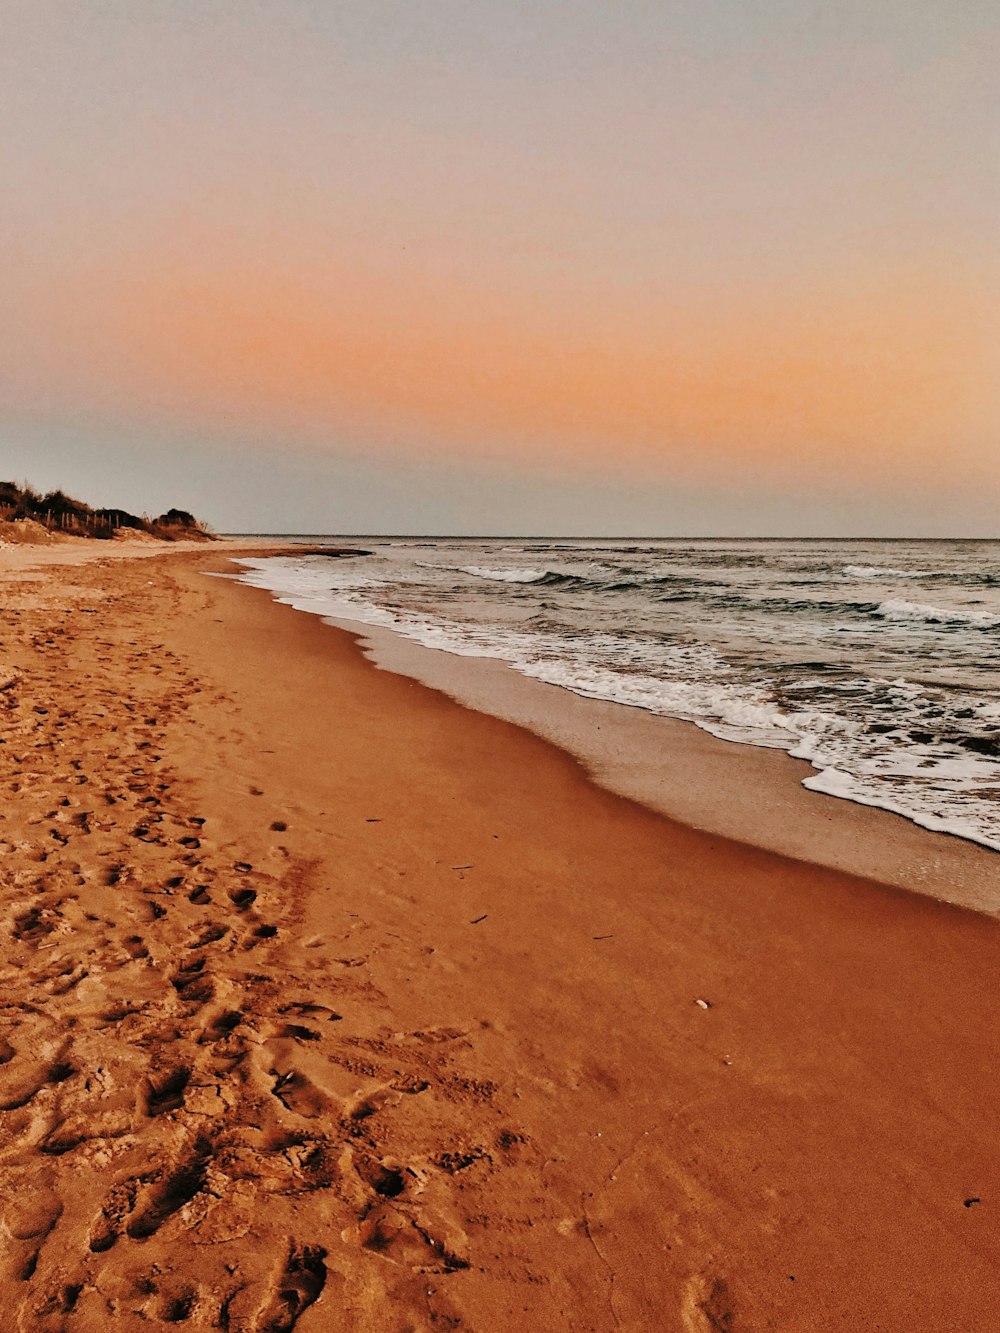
(746, 792)
(330, 1004)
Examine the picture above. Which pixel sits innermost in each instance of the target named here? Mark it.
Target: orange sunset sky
(658, 268)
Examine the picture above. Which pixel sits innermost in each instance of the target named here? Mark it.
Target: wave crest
(898, 608)
(504, 575)
(883, 572)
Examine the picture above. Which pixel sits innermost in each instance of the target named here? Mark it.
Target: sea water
(877, 662)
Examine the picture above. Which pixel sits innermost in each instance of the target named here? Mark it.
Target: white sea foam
(882, 572)
(727, 710)
(503, 575)
(835, 782)
(897, 608)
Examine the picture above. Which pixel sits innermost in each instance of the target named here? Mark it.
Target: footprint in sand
(300, 1096)
(299, 1033)
(221, 1026)
(177, 1306)
(191, 986)
(298, 1286)
(306, 1009)
(167, 1094)
(32, 1216)
(408, 1240)
(30, 1086)
(211, 935)
(160, 1203)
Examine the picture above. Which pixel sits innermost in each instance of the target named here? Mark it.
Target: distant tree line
(61, 513)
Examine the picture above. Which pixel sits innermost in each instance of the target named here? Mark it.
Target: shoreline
(711, 786)
(750, 793)
(587, 1068)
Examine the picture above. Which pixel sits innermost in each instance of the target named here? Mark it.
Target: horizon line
(580, 537)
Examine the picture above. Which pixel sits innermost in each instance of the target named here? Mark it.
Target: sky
(662, 267)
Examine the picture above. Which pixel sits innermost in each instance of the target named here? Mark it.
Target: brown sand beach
(330, 1004)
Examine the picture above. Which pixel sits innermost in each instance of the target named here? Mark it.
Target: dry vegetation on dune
(26, 515)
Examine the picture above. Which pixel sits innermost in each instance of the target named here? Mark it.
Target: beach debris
(604, 937)
(463, 867)
(373, 821)
(703, 1004)
(969, 1202)
(476, 920)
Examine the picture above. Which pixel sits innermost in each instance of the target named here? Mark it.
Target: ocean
(875, 661)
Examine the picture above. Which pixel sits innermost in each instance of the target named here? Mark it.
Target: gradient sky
(692, 267)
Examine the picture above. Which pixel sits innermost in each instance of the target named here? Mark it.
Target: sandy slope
(326, 1004)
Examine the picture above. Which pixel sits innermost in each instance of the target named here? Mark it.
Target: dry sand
(329, 1004)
